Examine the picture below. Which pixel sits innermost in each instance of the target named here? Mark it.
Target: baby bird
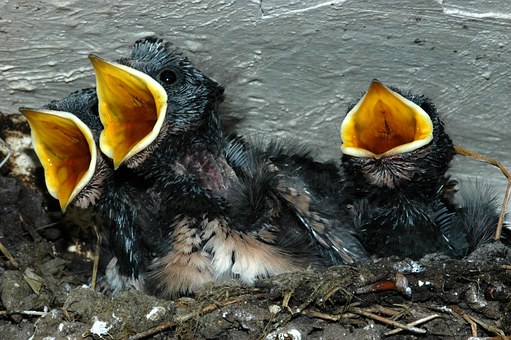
(228, 209)
(65, 136)
(396, 153)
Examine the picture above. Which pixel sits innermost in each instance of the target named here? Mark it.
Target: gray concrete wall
(290, 67)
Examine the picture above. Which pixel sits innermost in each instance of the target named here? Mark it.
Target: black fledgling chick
(65, 136)
(396, 152)
(223, 214)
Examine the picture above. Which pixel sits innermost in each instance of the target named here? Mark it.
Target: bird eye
(168, 77)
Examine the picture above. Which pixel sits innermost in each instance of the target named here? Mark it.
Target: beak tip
(63, 207)
(95, 60)
(25, 111)
(377, 85)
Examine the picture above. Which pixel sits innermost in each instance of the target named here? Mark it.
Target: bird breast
(206, 250)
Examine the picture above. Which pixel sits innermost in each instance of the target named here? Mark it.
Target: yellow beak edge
(132, 108)
(384, 123)
(65, 147)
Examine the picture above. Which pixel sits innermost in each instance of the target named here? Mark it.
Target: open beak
(132, 108)
(65, 147)
(384, 123)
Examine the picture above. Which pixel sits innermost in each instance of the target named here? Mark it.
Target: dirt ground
(45, 282)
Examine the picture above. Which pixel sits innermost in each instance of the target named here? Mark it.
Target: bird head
(65, 135)
(391, 138)
(152, 96)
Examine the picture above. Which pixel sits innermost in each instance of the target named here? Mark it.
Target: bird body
(64, 135)
(118, 202)
(407, 206)
(267, 221)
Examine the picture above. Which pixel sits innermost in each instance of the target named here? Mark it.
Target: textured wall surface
(290, 67)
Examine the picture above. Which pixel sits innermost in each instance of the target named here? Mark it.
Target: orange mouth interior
(66, 150)
(132, 107)
(384, 123)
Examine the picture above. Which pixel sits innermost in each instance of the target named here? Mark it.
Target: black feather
(408, 207)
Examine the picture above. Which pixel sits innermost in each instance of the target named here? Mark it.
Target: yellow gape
(384, 123)
(66, 149)
(132, 108)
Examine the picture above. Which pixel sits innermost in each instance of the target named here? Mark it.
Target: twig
(24, 312)
(330, 317)
(42, 227)
(66, 314)
(405, 311)
(7, 254)
(384, 310)
(415, 323)
(468, 153)
(285, 301)
(324, 316)
(47, 225)
(329, 294)
(489, 328)
(467, 318)
(208, 309)
(9, 153)
(387, 321)
(29, 229)
(95, 264)
(388, 311)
